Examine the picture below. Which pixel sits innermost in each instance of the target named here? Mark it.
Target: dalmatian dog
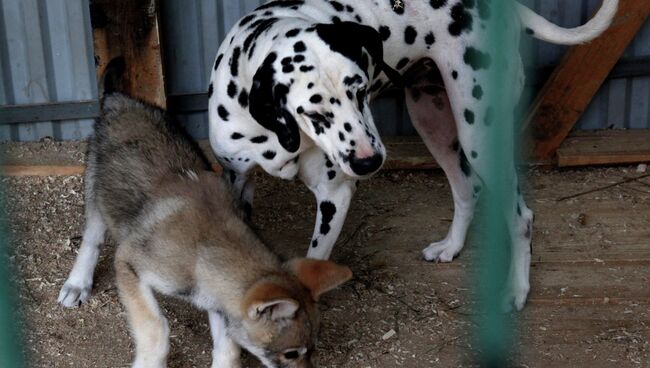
(293, 79)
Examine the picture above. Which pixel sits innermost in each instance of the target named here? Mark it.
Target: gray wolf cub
(180, 232)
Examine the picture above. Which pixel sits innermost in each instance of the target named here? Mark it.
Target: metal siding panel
(639, 117)
(47, 56)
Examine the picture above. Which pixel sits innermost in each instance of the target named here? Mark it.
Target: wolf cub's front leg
(149, 327)
(225, 353)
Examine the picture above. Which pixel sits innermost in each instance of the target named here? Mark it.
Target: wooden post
(129, 28)
(576, 80)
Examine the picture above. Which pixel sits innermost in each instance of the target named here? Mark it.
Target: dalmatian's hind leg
(430, 111)
(473, 120)
(333, 190)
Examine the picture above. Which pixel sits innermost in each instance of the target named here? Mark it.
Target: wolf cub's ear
(268, 299)
(318, 276)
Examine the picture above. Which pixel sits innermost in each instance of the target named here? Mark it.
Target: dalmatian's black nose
(367, 165)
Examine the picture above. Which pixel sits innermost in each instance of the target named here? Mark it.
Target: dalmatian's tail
(549, 32)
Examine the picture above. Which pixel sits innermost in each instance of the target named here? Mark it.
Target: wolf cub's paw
(72, 295)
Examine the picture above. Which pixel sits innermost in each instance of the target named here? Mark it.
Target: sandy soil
(576, 317)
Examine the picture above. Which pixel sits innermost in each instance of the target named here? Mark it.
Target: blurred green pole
(494, 328)
(11, 354)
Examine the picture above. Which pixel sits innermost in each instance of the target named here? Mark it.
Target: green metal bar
(11, 353)
(494, 328)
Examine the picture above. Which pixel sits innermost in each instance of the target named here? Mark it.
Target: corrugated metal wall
(46, 56)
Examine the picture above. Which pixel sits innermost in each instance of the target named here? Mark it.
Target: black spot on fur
(348, 81)
(474, 154)
(246, 19)
(234, 61)
(298, 58)
(347, 127)
(454, 74)
(429, 39)
(223, 113)
(243, 98)
(336, 19)
(477, 92)
(410, 34)
(477, 59)
(384, 32)
(281, 4)
(455, 145)
(464, 164)
(299, 47)
(314, 243)
(259, 27)
(462, 20)
(310, 85)
(342, 136)
(259, 139)
(437, 4)
(402, 63)
(236, 136)
(469, 116)
(331, 174)
(316, 99)
(327, 210)
(306, 68)
(337, 6)
(292, 33)
(232, 89)
(286, 61)
(269, 155)
(218, 61)
(210, 90)
(288, 69)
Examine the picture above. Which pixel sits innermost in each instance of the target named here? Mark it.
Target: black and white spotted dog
(292, 82)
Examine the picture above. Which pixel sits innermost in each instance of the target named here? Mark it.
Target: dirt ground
(589, 304)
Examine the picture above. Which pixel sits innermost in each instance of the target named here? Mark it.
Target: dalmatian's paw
(515, 296)
(73, 294)
(442, 251)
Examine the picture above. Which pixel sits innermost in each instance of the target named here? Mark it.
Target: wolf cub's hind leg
(148, 326)
(80, 281)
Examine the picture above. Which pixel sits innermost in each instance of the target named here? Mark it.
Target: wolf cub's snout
(180, 232)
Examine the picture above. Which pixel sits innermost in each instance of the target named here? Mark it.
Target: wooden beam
(605, 147)
(130, 28)
(576, 80)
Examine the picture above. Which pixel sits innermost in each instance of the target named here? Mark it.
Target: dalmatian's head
(316, 81)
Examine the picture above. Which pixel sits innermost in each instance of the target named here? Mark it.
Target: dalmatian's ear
(348, 38)
(268, 105)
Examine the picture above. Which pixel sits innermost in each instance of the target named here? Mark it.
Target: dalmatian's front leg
(243, 188)
(433, 118)
(333, 190)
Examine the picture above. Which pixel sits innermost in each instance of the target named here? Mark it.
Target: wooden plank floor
(589, 304)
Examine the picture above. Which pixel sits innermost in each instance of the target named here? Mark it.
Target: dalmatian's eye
(291, 354)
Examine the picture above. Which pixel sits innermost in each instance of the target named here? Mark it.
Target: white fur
(549, 32)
